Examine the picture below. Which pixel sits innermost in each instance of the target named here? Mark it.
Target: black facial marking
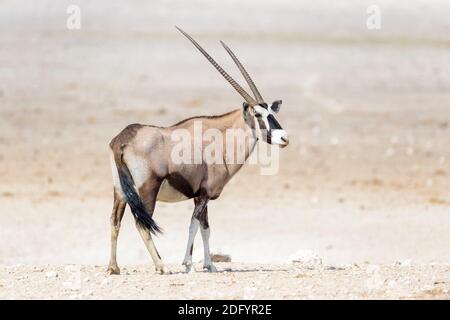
(267, 136)
(264, 131)
(273, 123)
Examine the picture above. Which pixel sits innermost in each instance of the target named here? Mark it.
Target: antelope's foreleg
(205, 232)
(193, 228)
(200, 217)
(196, 220)
(207, 262)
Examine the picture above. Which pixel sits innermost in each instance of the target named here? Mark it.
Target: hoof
(188, 266)
(113, 270)
(210, 268)
(163, 270)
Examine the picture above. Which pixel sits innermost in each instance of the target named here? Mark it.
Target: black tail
(138, 209)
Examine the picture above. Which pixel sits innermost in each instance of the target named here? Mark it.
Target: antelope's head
(270, 128)
(256, 108)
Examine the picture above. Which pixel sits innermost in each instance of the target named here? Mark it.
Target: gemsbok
(144, 171)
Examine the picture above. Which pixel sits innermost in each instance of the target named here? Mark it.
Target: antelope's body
(144, 171)
(146, 150)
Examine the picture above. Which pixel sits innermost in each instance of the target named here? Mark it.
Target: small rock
(249, 293)
(88, 293)
(375, 282)
(406, 263)
(392, 284)
(71, 285)
(106, 281)
(334, 268)
(72, 268)
(51, 274)
(373, 268)
(220, 257)
(305, 258)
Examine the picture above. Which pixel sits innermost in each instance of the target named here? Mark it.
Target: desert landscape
(360, 207)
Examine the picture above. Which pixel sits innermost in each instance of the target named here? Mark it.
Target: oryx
(143, 170)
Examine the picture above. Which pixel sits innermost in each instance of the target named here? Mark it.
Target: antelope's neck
(237, 122)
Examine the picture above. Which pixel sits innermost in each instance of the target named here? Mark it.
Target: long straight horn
(244, 72)
(227, 77)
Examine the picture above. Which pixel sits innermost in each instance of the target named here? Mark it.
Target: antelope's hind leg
(116, 218)
(147, 237)
(148, 193)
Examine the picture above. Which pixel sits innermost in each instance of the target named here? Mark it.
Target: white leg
(207, 262)
(193, 228)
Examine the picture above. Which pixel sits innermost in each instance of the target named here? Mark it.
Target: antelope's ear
(276, 105)
(245, 105)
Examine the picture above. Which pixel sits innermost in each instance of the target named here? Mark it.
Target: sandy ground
(233, 281)
(364, 180)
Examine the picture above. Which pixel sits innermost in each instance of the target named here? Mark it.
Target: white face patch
(277, 136)
(262, 111)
